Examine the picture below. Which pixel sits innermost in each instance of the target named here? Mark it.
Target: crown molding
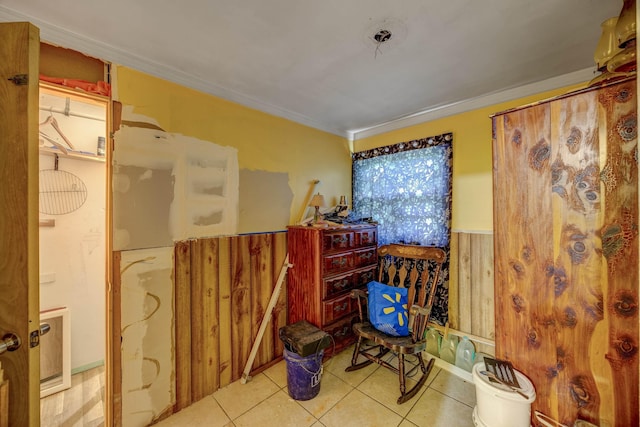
(439, 112)
(68, 39)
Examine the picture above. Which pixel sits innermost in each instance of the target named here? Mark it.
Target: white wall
(72, 253)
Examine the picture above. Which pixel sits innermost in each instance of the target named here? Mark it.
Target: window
(406, 188)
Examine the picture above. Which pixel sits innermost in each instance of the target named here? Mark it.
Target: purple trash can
(303, 374)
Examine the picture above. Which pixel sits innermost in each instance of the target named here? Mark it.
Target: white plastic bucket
(499, 406)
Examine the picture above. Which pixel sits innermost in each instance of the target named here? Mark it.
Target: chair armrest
(358, 293)
(418, 319)
(361, 295)
(416, 309)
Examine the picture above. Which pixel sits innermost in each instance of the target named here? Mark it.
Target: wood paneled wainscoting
(221, 289)
(471, 290)
(223, 286)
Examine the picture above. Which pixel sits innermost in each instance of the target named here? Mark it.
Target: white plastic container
(465, 354)
(499, 406)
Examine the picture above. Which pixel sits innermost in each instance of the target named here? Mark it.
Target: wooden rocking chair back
(416, 268)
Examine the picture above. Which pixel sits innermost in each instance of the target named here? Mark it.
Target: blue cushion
(388, 309)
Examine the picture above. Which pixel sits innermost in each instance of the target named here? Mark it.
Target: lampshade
(317, 200)
(626, 25)
(607, 45)
(625, 60)
(625, 31)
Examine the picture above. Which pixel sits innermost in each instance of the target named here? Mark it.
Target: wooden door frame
(109, 302)
(113, 392)
(19, 284)
(19, 252)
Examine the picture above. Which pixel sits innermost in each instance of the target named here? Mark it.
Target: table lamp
(316, 201)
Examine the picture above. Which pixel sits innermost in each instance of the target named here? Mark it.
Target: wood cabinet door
(524, 244)
(566, 252)
(19, 269)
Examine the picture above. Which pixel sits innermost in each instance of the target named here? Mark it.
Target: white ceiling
(315, 62)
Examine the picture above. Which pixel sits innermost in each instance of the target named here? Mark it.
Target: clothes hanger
(54, 123)
(54, 142)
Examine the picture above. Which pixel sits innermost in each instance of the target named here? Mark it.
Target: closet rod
(84, 116)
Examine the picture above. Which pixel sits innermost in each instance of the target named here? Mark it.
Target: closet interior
(73, 237)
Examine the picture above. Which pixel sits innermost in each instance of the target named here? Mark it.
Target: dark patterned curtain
(406, 188)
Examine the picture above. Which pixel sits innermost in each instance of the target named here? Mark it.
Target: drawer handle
(343, 332)
(341, 284)
(366, 256)
(342, 307)
(340, 240)
(340, 262)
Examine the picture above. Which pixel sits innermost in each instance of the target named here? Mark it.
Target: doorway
(73, 200)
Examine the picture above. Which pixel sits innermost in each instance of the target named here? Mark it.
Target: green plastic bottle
(433, 341)
(448, 348)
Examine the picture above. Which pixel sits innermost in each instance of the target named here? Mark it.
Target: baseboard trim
(459, 372)
(87, 367)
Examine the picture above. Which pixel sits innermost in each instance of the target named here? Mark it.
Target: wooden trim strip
(472, 337)
(182, 281)
(116, 339)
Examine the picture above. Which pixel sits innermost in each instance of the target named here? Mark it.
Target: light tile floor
(366, 397)
(82, 405)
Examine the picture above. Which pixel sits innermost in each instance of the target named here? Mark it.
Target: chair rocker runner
(416, 268)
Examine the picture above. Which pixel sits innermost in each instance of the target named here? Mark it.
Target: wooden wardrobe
(566, 251)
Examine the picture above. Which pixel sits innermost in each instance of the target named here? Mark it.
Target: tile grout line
(452, 398)
(298, 403)
(341, 399)
(411, 405)
(252, 407)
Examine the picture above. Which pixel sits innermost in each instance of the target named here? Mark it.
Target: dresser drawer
(362, 277)
(364, 257)
(338, 241)
(342, 331)
(336, 308)
(366, 237)
(337, 284)
(329, 262)
(337, 262)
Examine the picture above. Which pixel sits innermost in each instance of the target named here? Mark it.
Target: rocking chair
(416, 268)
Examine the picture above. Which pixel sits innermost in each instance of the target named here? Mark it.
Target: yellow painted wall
(472, 208)
(264, 142)
(269, 143)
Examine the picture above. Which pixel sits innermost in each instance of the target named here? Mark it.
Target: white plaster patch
(121, 183)
(147, 335)
(147, 175)
(130, 116)
(205, 184)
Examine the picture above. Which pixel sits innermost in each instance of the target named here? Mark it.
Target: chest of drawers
(327, 264)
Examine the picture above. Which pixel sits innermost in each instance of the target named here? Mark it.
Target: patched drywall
(170, 187)
(265, 201)
(264, 142)
(149, 194)
(147, 333)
